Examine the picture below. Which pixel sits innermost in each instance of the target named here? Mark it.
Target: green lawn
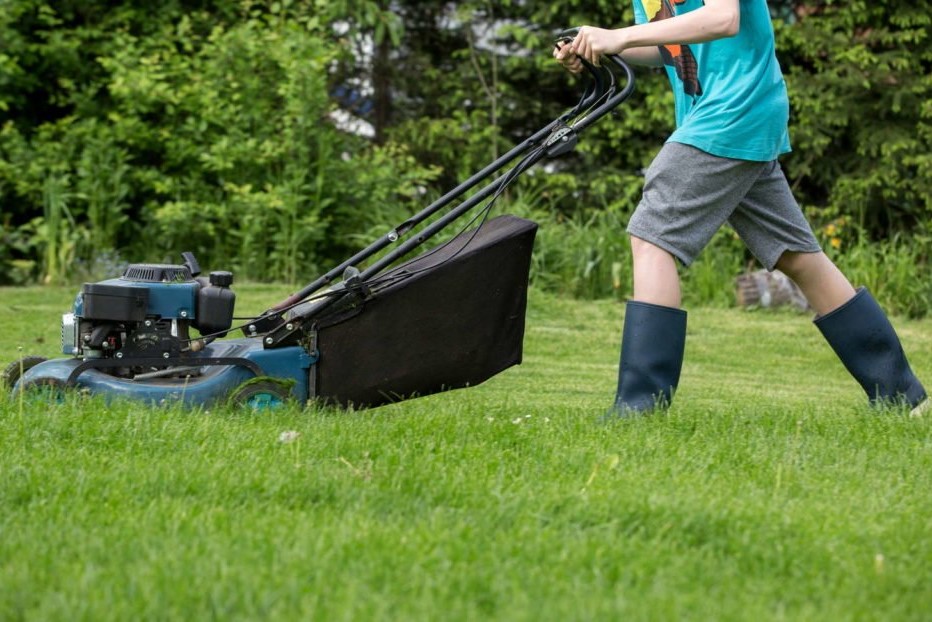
(769, 492)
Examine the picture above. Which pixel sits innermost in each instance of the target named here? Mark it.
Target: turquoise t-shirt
(730, 94)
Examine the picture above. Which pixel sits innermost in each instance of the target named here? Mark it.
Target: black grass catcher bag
(450, 318)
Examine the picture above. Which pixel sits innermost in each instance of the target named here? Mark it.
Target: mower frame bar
(600, 98)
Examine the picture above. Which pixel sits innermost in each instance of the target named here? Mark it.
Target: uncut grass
(768, 492)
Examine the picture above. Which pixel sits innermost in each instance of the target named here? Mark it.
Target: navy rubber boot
(652, 346)
(863, 338)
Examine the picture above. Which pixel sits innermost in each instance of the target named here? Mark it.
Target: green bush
(218, 141)
(127, 133)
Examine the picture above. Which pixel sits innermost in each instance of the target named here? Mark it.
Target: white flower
(288, 437)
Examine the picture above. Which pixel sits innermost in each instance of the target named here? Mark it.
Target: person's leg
(857, 329)
(652, 346)
(861, 335)
(687, 196)
(656, 279)
(654, 334)
(824, 285)
(773, 226)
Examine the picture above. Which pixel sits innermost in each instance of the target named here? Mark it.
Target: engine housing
(148, 311)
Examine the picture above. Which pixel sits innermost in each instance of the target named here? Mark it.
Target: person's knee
(656, 280)
(795, 265)
(810, 269)
(642, 249)
(638, 246)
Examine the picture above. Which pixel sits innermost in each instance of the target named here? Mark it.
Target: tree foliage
(219, 125)
(860, 79)
(207, 129)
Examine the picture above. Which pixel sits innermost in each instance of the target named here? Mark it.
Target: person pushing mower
(720, 164)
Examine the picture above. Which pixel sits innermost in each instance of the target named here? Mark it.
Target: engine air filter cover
(115, 303)
(156, 273)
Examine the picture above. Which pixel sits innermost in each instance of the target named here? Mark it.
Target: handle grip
(612, 83)
(567, 36)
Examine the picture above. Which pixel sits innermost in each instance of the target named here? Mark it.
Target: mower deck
(195, 383)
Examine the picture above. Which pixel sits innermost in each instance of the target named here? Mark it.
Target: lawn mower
(449, 318)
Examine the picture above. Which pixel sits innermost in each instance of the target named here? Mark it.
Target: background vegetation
(226, 127)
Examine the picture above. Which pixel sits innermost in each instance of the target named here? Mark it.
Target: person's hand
(566, 58)
(592, 43)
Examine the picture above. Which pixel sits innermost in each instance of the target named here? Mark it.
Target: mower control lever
(562, 140)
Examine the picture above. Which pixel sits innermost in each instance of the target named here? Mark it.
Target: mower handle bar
(599, 98)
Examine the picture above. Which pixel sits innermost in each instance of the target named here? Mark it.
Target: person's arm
(647, 56)
(718, 19)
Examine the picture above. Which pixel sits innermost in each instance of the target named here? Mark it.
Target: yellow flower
(835, 242)
(830, 229)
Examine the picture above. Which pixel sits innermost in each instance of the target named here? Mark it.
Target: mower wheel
(48, 390)
(260, 394)
(15, 370)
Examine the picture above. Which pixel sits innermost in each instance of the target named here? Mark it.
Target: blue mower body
(208, 384)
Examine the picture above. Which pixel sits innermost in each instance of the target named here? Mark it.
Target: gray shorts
(690, 194)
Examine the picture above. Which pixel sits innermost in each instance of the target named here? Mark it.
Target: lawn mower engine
(148, 313)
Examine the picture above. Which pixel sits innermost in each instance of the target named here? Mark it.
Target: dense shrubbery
(208, 126)
(205, 133)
